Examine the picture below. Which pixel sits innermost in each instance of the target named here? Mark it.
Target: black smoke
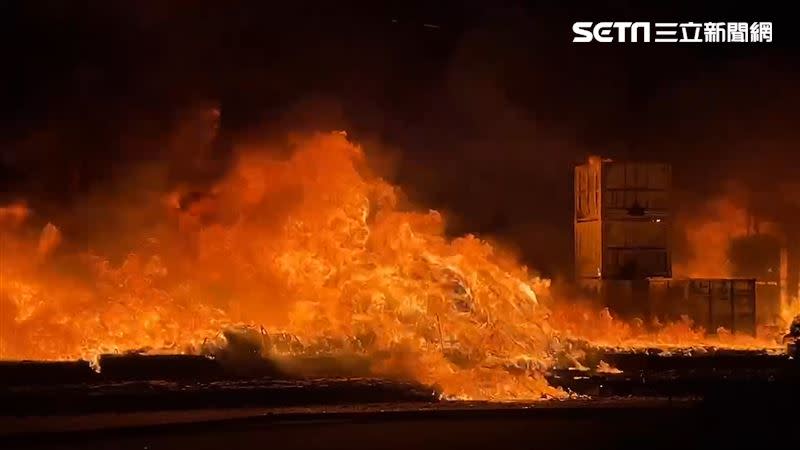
(482, 108)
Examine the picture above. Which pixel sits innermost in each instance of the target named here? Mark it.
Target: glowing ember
(317, 248)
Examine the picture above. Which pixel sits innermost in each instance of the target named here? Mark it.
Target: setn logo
(709, 32)
(604, 31)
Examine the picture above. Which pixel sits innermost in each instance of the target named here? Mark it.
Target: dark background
(482, 107)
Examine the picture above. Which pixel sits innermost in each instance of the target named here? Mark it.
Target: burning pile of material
(312, 248)
(312, 245)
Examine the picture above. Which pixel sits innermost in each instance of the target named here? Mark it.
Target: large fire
(709, 233)
(317, 247)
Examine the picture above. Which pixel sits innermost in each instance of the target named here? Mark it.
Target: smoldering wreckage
(309, 270)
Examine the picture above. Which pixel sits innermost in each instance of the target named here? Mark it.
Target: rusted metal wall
(628, 299)
(633, 189)
(710, 303)
(635, 249)
(635, 263)
(588, 254)
(724, 303)
(622, 217)
(587, 192)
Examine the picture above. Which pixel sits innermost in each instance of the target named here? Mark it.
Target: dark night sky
(484, 113)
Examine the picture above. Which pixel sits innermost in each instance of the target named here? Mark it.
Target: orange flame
(317, 247)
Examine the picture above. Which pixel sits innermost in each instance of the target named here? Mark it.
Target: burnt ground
(658, 401)
(597, 424)
(715, 375)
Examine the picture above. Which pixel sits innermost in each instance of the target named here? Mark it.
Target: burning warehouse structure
(621, 217)
(623, 254)
(384, 307)
(184, 236)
